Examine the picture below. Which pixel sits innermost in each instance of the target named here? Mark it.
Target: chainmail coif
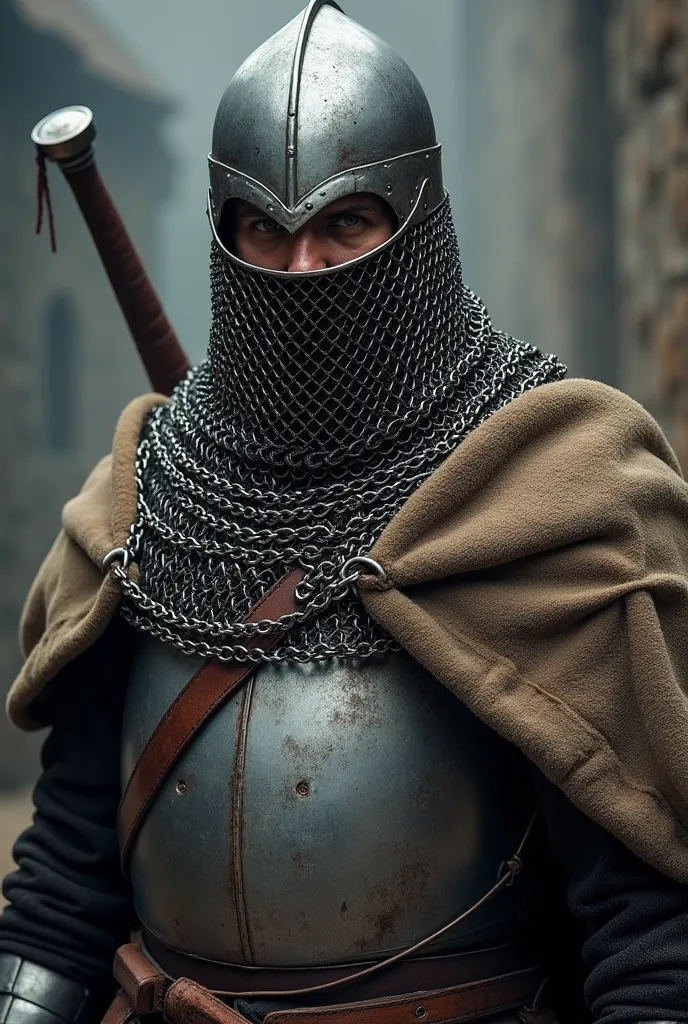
(324, 403)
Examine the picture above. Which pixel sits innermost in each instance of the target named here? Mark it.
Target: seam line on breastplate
(237, 793)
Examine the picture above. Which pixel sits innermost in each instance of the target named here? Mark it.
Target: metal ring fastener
(366, 563)
(116, 555)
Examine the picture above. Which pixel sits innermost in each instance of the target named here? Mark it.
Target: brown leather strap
(184, 1001)
(200, 698)
(187, 1002)
(120, 1010)
(420, 973)
(458, 1003)
(144, 984)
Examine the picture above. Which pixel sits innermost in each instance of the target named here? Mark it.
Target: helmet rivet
(309, 206)
(270, 207)
(303, 788)
(290, 150)
(182, 786)
(389, 186)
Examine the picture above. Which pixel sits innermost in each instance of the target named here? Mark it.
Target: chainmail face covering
(324, 403)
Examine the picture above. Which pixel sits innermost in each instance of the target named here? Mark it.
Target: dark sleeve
(635, 946)
(69, 905)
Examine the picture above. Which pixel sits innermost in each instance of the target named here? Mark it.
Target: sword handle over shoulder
(66, 137)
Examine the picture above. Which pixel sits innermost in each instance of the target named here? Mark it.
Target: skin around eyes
(345, 229)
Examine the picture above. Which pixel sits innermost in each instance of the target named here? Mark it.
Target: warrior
(373, 631)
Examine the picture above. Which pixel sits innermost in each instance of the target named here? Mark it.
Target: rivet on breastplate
(420, 1012)
(302, 788)
(182, 786)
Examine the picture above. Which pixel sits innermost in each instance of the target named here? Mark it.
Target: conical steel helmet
(321, 110)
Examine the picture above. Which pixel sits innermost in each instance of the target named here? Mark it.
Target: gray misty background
(565, 152)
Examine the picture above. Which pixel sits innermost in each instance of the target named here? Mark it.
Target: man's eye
(347, 220)
(267, 225)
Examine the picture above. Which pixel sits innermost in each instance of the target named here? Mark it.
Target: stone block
(661, 25)
(677, 198)
(669, 349)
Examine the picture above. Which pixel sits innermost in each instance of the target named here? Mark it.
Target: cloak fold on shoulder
(71, 601)
(541, 574)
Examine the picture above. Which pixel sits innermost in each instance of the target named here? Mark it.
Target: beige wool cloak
(541, 573)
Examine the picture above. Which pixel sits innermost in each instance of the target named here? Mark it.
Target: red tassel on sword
(66, 136)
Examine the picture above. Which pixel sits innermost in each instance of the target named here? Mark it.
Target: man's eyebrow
(339, 206)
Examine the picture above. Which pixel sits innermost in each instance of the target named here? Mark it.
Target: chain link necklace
(325, 402)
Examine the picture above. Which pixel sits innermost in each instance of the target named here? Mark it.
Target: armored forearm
(31, 994)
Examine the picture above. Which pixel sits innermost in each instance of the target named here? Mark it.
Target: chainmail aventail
(324, 403)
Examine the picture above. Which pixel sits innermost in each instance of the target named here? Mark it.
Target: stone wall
(648, 52)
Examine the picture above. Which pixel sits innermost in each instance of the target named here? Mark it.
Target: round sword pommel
(66, 133)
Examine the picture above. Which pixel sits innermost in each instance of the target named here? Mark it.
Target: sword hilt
(66, 137)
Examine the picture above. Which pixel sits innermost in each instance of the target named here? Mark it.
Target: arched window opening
(61, 373)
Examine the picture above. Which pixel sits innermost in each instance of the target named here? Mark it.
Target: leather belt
(146, 990)
(458, 1003)
(430, 972)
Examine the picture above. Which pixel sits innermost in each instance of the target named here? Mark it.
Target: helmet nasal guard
(324, 109)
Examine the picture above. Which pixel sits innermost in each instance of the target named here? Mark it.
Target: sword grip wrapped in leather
(155, 339)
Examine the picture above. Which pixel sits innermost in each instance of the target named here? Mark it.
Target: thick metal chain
(323, 406)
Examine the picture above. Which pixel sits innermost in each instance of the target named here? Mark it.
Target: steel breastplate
(329, 812)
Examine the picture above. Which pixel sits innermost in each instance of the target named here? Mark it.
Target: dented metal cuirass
(329, 812)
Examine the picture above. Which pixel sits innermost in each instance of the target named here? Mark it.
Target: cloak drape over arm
(542, 575)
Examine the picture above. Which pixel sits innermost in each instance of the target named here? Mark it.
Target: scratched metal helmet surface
(321, 110)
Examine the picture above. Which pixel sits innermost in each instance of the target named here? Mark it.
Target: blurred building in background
(574, 202)
(649, 60)
(537, 201)
(67, 366)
